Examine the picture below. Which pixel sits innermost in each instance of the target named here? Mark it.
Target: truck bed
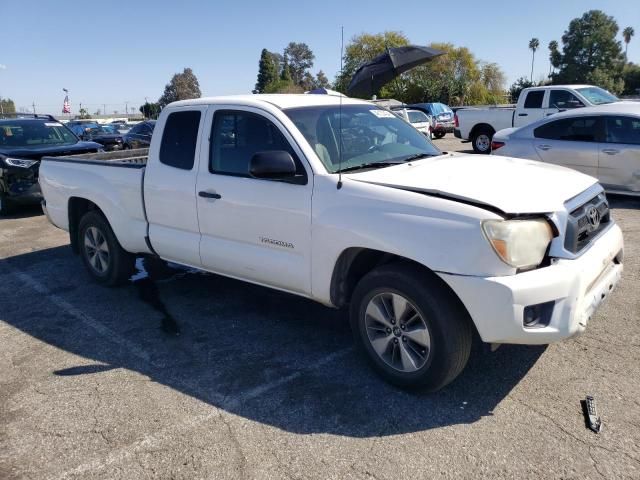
(123, 158)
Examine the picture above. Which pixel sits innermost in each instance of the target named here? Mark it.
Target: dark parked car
(105, 135)
(442, 117)
(24, 140)
(140, 135)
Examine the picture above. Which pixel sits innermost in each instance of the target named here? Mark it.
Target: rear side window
(237, 136)
(534, 99)
(178, 147)
(579, 129)
(623, 130)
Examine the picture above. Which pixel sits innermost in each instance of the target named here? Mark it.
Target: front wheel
(482, 141)
(107, 262)
(411, 327)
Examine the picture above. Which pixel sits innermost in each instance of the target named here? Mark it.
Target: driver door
(257, 230)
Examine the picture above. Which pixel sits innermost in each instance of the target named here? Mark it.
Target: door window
(623, 130)
(534, 99)
(578, 129)
(178, 147)
(563, 100)
(237, 135)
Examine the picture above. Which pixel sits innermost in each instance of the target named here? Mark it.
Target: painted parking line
(225, 403)
(156, 439)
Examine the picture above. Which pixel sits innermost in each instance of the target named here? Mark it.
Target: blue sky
(128, 50)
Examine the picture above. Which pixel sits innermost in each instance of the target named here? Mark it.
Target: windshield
(370, 135)
(29, 133)
(597, 95)
(416, 116)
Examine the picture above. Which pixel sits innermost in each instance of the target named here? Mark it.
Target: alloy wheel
(97, 250)
(397, 331)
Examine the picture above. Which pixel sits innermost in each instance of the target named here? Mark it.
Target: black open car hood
(36, 153)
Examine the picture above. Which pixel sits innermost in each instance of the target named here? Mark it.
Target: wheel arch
(77, 208)
(481, 126)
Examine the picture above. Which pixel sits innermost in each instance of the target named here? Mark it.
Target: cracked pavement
(260, 384)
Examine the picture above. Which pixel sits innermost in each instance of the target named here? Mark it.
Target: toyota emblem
(593, 217)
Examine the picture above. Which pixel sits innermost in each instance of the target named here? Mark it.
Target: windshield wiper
(417, 156)
(369, 165)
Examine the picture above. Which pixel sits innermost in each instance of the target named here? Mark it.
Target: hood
(512, 185)
(36, 153)
(107, 137)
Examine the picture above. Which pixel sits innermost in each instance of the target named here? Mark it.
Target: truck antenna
(339, 186)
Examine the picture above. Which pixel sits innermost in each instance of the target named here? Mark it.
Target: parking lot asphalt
(191, 375)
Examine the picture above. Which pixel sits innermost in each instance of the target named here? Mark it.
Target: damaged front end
(19, 180)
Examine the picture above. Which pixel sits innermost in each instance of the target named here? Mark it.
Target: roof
(608, 108)
(281, 101)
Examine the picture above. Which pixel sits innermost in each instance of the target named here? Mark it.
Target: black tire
(448, 324)
(439, 134)
(481, 140)
(120, 264)
(5, 205)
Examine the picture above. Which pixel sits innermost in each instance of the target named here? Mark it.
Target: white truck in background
(480, 124)
(342, 202)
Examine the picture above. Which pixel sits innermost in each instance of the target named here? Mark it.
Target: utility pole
(34, 107)
(104, 108)
(126, 107)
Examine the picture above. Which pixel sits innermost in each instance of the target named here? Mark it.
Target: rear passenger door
(254, 229)
(169, 187)
(571, 142)
(619, 161)
(531, 110)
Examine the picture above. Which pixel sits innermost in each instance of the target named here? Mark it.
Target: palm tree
(553, 47)
(534, 43)
(627, 33)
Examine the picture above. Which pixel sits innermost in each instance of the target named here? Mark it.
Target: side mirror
(272, 164)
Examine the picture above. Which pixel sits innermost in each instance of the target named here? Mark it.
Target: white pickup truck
(480, 124)
(426, 248)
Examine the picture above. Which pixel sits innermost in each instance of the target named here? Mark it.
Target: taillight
(455, 120)
(496, 145)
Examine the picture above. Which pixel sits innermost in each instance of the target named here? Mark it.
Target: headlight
(519, 243)
(20, 162)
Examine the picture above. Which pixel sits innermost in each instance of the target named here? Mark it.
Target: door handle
(610, 151)
(523, 114)
(544, 147)
(209, 195)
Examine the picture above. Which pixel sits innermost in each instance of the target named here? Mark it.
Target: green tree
(534, 43)
(591, 53)
(364, 48)
(493, 79)
(150, 110)
(182, 86)
(300, 60)
(631, 75)
(84, 113)
(517, 87)
(7, 105)
(285, 74)
(267, 71)
(321, 80)
(627, 33)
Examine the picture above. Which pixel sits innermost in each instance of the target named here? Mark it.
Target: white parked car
(342, 202)
(420, 120)
(480, 124)
(602, 141)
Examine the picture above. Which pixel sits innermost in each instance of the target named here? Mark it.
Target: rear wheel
(439, 134)
(107, 262)
(482, 141)
(411, 327)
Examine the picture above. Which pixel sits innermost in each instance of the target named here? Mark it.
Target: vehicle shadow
(268, 356)
(23, 211)
(623, 201)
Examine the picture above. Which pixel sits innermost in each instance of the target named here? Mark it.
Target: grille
(583, 225)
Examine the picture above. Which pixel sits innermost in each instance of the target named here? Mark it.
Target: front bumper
(578, 287)
(20, 184)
